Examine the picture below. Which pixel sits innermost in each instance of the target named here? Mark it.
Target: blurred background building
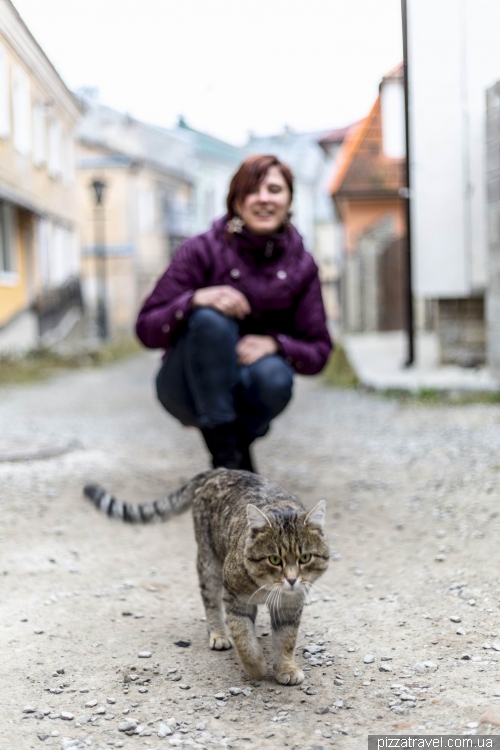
(454, 57)
(147, 206)
(59, 247)
(367, 178)
(39, 259)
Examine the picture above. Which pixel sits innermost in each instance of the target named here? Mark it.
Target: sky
(230, 67)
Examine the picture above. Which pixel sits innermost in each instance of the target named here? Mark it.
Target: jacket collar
(260, 247)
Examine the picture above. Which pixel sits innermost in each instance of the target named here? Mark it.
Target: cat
(256, 545)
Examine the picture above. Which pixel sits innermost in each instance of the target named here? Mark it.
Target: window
(21, 110)
(44, 240)
(73, 253)
(39, 135)
(58, 260)
(146, 209)
(54, 148)
(68, 159)
(7, 264)
(4, 95)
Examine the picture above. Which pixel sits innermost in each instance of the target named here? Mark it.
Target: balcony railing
(52, 305)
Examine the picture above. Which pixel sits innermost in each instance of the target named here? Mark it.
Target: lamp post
(99, 187)
(410, 325)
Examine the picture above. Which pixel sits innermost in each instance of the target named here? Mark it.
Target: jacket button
(179, 314)
(299, 365)
(165, 328)
(289, 360)
(282, 275)
(235, 273)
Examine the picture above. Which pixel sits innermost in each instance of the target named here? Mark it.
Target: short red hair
(249, 176)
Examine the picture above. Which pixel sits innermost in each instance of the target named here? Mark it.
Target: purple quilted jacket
(274, 272)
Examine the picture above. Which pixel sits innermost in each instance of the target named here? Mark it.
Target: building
(39, 255)
(454, 57)
(215, 163)
(367, 177)
(147, 208)
(493, 196)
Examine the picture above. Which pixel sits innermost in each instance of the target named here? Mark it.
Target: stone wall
(461, 331)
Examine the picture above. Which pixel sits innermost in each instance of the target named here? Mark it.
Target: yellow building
(39, 252)
(146, 210)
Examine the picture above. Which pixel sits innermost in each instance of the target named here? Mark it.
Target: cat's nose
(291, 581)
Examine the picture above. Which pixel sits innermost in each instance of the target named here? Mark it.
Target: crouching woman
(239, 311)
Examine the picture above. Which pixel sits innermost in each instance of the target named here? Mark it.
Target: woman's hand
(225, 299)
(250, 348)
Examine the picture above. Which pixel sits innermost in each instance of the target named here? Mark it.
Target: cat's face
(285, 548)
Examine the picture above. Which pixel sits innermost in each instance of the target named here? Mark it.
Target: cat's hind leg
(241, 619)
(285, 626)
(210, 578)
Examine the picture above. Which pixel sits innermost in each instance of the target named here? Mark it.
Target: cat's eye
(275, 560)
(305, 558)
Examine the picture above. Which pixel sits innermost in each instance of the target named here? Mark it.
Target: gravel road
(404, 636)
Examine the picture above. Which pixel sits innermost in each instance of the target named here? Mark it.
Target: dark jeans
(202, 384)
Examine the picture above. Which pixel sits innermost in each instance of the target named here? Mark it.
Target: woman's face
(266, 209)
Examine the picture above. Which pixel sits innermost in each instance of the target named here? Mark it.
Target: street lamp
(99, 188)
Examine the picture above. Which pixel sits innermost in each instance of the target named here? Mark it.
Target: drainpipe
(406, 194)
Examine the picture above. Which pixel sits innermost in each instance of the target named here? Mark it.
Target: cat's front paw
(219, 641)
(290, 675)
(255, 668)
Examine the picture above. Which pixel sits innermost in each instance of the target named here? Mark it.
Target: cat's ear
(256, 518)
(316, 516)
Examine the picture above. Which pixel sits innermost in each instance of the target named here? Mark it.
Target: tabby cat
(256, 545)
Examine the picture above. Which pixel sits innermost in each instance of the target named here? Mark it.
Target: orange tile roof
(362, 166)
(396, 72)
(348, 150)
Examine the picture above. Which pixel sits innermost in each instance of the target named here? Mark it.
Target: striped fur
(256, 545)
(158, 510)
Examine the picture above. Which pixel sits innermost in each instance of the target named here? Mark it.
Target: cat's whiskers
(323, 586)
(268, 597)
(261, 588)
(307, 596)
(273, 611)
(312, 596)
(323, 590)
(270, 603)
(270, 610)
(280, 594)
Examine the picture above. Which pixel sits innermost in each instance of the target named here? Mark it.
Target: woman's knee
(172, 391)
(210, 322)
(273, 378)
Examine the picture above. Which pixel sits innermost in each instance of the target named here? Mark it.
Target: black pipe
(410, 324)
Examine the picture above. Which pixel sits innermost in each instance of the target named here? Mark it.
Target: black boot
(243, 442)
(221, 441)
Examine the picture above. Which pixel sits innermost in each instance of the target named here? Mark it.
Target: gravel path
(404, 637)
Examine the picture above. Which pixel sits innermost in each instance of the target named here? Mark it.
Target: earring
(288, 219)
(235, 225)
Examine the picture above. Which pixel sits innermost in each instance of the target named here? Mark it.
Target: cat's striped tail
(158, 510)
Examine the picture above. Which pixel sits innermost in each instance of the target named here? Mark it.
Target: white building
(215, 162)
(454, 56)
